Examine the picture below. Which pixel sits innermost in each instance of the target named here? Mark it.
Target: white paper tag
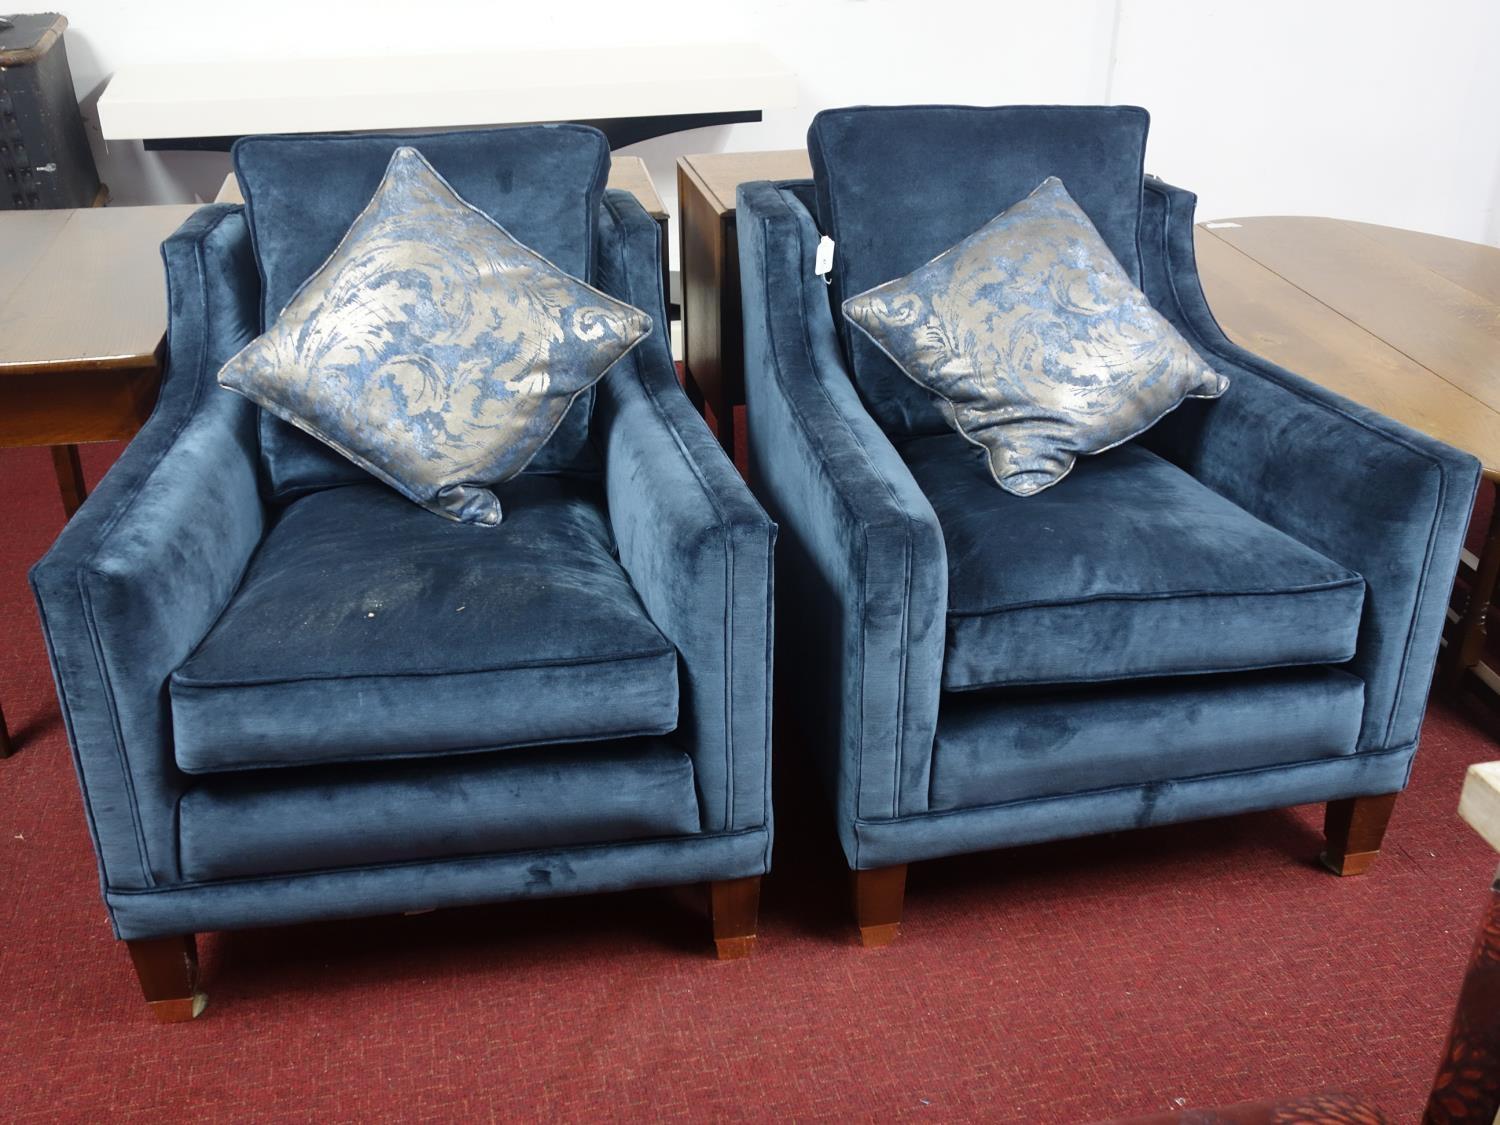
(1220, 226)
(823, 260)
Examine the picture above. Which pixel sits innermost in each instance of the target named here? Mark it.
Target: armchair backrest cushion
(898, 185)
(543, 183)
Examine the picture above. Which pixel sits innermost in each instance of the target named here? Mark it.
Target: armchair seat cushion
(367, 628)
(1129, 568)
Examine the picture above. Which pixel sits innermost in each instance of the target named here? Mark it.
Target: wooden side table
(709, 258)
(82, 312)
(1405, 323)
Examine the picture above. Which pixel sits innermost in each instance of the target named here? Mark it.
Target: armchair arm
(864, 570)
(144, 568)
(694, 541)
(1382, 499)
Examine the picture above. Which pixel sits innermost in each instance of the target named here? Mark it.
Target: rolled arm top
(141, 572)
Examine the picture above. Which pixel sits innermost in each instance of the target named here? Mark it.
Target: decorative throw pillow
(1035, 340)
(432, 349)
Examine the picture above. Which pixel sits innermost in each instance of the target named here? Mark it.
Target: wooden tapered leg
(878, 896)
(695, 396)
(1466, 646)
(69, 469)
(735, 903)
(168, 971)
(1353, 828)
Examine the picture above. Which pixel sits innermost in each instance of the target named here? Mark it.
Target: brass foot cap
(874, 937)
(734, 948)
(180, 1009)
(1352, 863)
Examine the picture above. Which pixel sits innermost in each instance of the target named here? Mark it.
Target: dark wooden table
(82, 313)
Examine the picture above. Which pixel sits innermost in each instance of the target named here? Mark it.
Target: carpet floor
(1183, 966)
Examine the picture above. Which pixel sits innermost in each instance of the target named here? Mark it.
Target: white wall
(1381, 110)
(1387, 111)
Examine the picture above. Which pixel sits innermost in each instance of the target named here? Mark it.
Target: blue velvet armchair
(1240, 610)
(292, 694)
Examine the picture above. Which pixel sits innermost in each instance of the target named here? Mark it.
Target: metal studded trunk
(45, 159)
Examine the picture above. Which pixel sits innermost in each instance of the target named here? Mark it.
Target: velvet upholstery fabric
(695, 543)
(862, 570)
(367, 628)
(1016, 747)
(1361, 489)
(1128, 568)
(141, 575)
(432, 349)
(322, 819)
(542, 183)
(898, 185)
(864, 559)
(880, 843)
(389, 888)
(147, 564)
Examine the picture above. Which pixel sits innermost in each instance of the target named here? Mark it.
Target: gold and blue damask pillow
(432, 349)
(1038, 345)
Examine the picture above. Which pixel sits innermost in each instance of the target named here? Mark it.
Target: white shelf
(159, 101)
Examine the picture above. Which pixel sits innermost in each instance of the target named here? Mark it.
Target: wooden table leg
(666, 274)
(1473, 625)
(69, 469)
(695, 396)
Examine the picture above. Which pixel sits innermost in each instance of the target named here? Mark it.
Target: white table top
(1479, 804)
(281, 95)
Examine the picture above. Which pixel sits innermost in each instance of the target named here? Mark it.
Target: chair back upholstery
(542, 183)
(898, 185)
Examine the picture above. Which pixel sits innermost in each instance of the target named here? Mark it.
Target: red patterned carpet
(1191, 965)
